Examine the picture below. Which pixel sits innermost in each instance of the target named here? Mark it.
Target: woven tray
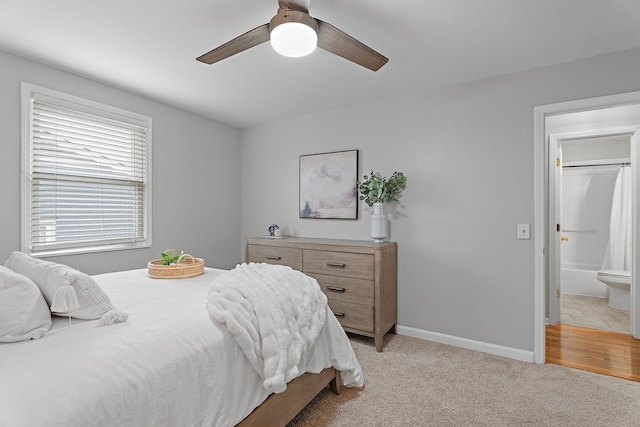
(188, 267)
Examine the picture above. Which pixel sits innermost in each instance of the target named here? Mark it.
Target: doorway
(586, 187)
(613, 115)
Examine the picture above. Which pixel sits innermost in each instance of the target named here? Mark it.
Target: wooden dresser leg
(336, 384)
(379, 340)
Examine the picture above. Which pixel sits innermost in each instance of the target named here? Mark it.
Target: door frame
(541, 208)
(555, 214)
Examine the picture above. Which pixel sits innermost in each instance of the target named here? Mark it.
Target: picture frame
(328, 185)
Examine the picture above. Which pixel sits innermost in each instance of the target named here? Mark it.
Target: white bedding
(274, 312)
(168, 365)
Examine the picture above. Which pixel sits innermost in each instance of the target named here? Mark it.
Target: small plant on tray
(171, 257)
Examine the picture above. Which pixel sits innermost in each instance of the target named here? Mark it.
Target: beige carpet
(420, 383)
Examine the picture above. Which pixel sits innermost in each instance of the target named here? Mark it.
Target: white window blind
(88, 181)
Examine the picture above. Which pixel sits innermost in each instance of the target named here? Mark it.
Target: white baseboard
(498, 350)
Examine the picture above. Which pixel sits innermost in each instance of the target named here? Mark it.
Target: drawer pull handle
(338, 314)
(335, 289)
(336, 264)
(273, 257)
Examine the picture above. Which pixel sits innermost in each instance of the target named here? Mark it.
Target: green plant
(170, 256)
(377, 189)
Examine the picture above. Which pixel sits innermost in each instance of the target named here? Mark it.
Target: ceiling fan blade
(342, 44)
(246, 41)
(299, 5)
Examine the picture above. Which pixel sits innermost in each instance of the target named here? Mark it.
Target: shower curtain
(618, 253)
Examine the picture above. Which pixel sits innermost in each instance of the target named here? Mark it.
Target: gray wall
(468, 154)
(196, 171)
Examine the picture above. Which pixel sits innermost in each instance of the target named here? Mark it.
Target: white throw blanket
(275, 314)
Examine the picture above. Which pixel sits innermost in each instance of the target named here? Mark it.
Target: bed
(169, 364)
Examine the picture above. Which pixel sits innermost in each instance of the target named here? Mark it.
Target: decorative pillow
(50, 276)
(24, 313)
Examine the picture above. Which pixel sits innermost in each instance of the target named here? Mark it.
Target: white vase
(379, 223)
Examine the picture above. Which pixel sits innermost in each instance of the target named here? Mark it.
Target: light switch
(523, 231)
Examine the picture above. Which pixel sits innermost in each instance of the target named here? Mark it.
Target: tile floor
(595, 313)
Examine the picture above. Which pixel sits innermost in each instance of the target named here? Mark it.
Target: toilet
(619, 282)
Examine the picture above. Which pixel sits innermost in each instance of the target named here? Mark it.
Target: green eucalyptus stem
(375, 188)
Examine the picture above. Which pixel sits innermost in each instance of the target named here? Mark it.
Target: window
(85, 181)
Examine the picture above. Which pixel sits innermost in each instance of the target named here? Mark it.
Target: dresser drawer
(355, 316)
(275, 255)
(346, 289)
(345, 264)
(359, 278)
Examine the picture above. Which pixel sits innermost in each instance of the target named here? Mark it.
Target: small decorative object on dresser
(376, 190)
(274, 230)
(360, 278)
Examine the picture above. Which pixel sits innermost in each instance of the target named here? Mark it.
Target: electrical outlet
(523, 231)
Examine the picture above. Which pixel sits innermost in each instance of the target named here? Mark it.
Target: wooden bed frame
(281, 408)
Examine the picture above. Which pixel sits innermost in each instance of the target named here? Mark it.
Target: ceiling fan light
(294, 39)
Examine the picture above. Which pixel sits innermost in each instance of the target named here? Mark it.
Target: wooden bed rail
(281, 408)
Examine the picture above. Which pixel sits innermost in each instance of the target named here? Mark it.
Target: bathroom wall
(586, 207)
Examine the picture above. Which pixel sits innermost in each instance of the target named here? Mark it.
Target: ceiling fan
(293, 16)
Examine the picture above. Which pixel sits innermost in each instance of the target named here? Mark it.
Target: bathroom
(596, 181)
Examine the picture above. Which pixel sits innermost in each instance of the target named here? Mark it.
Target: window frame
(31, 92)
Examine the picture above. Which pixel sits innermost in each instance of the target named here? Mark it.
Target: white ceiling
(149, 47)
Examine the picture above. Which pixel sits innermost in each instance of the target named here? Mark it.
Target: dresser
(360, 278)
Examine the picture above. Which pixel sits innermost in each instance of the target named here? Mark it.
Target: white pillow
(24, 313)
(50, 276)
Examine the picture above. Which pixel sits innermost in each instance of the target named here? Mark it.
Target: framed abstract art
(328, 185)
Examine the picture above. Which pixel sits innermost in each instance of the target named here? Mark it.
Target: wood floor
(603, 352)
